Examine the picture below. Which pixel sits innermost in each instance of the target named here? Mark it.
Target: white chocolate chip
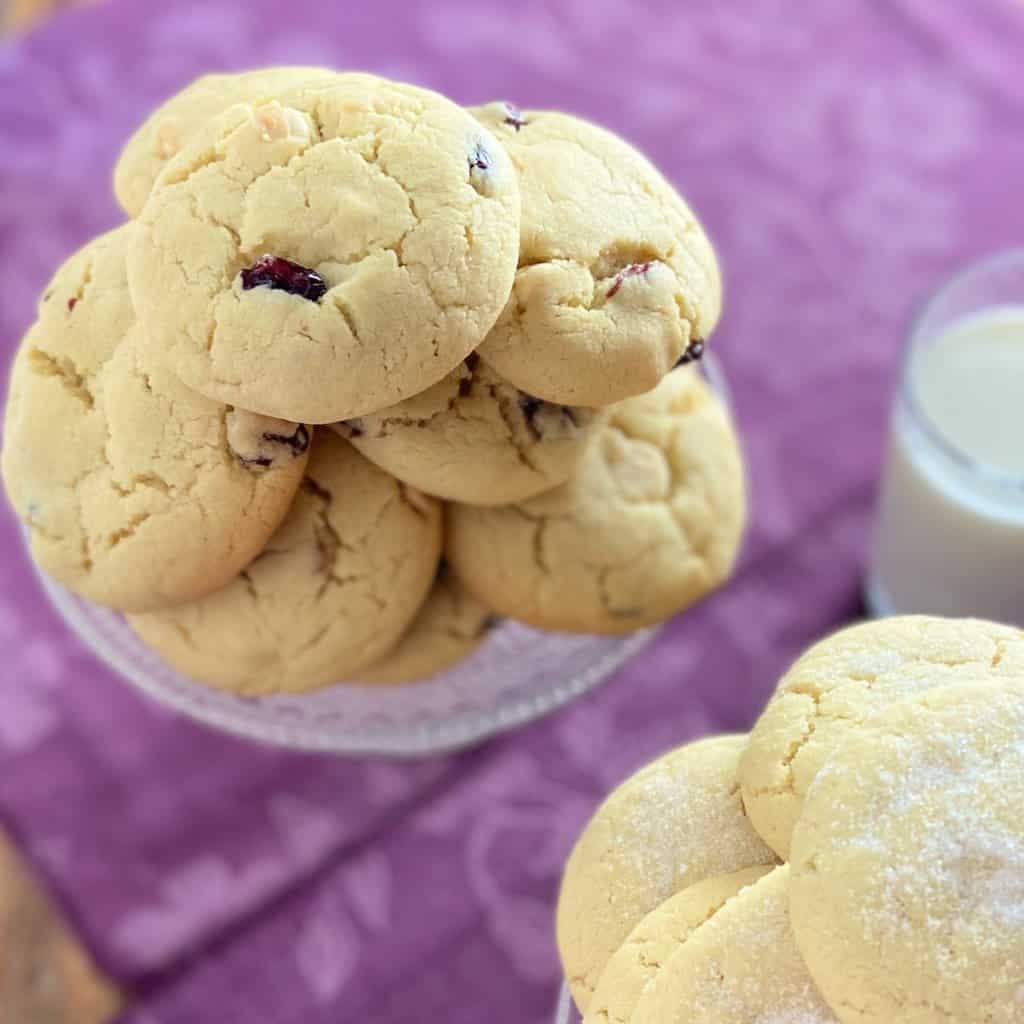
(277, 123)
(256, 440)
(167, 139)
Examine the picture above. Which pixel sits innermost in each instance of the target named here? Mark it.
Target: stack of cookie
(340, 303)
(858, 858)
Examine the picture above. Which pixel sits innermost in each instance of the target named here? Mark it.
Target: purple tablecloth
(844, 155)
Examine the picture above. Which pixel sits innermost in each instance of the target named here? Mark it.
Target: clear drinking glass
(516, 675)
(950, 532)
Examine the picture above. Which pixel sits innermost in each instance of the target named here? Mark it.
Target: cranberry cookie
(328, 253)
(475, 438)
(137, 492)
(616, 278)
(335, 589)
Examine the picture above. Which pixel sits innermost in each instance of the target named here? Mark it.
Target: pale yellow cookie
(636, 963)
(676, 822)
(334, 590)
(740, 967)
(451, 624)
(475, 438)
(649, 522)
(908, 863)
(616, 277)
(328, 253)
(168, 129)
(137, 492)
(839, 683)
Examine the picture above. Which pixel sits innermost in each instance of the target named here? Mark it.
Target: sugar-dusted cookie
(841, 681)
(740, 967)
(676, 822)
(327, 253)
(450, 625)
(475, 438)
(908, 862)
(166, 131)
(616, 277)
(335, 588)
(649, 522)
(137, 492)
(636, 963)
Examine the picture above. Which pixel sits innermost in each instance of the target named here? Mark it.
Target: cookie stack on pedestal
(352, 332)
(859, 857)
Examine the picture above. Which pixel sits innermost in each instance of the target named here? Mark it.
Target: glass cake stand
(516, 675)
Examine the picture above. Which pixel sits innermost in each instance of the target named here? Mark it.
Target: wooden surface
(45, 975)
(19, 14)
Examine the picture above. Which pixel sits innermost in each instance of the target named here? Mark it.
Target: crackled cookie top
(908, 862)
(451, 624)
(636, 963)
(649, 522)
(475, 438)
(333, 591)
(166, 131)
(835, 686)
(328, 253)
(130, 485)
(675, 822)
(616, 277)
(741, 967)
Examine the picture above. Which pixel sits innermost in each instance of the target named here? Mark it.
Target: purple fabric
(844, 156)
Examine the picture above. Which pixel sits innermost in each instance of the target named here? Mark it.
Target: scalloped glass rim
(517, 675)
(565, 1011)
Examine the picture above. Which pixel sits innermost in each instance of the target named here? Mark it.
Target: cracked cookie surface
(334, 589)
(907, 897)
(450, 625)
(832, 689)
(475, 438)
(329, 253)
(648, 523)
(127, 480)
(616, 277)
(676, 822)
(740, 967)
(168, 129)
(636, 963)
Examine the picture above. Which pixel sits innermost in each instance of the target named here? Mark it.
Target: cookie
(674, 823)
(328, 253)
(334, 590)
(616, 277)
(474, 438)
(649, 522)
(840, 682)
(167, 130)
(451, 624)
(908, 862)
(740, 967)
(636, 963)
(137, 492)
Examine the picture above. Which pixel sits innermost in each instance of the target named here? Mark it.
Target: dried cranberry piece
(633, 270)
(693, 352)
(279, 274)
(514, 116)
(298, 442)
(479, 158)
(72, 302)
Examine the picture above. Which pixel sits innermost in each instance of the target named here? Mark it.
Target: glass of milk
(950, 531)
